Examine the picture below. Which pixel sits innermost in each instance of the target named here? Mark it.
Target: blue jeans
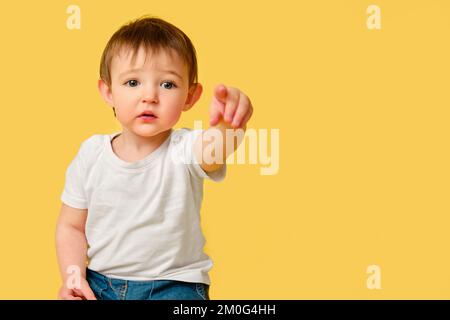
(106, 288)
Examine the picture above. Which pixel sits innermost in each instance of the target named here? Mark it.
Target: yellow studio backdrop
(363, 118)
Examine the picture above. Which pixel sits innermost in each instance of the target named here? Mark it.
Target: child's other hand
(232, 105)
(83, 293)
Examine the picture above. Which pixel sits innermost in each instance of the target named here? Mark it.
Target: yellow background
(363, 118)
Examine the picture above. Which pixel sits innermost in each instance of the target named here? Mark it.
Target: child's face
(159, 85)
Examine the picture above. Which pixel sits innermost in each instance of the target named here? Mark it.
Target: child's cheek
(173, 115)
(128, 101)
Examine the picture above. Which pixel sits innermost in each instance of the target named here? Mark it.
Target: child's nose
(150, 95)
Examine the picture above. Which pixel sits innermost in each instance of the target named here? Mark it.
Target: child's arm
(230, 110)
(71, 248)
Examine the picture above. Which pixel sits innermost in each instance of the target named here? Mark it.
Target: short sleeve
(73, 194)
(185, 141)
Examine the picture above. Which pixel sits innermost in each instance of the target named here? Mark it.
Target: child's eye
(132, 83)
(171, 84)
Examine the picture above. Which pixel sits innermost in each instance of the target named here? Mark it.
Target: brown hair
(151, 33)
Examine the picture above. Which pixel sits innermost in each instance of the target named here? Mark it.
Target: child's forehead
(128, 58)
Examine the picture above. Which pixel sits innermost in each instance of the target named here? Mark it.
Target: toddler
(129, 225)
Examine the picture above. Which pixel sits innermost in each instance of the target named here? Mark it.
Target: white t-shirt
(143, 218)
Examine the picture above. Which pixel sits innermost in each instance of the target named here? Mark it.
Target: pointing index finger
(221, 93)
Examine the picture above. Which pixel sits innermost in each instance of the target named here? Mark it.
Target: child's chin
(150, 130)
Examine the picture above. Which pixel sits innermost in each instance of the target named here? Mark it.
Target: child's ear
(195, 91)
(105, 92)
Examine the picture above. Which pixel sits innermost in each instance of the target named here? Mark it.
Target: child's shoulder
(92, 145)
(183, 132)
(95, 141)
(182, 137)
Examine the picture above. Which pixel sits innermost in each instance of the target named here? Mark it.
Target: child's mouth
(147, 117)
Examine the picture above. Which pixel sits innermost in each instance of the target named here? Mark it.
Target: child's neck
(130, 147)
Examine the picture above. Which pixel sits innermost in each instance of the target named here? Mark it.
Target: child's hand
(84, 293)
(231, 104)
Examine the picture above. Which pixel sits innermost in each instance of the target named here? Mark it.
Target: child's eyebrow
(137, 70)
